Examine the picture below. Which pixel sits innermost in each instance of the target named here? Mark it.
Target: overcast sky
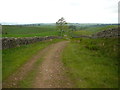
(49, 11)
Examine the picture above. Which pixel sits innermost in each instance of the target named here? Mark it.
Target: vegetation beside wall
(92, 63)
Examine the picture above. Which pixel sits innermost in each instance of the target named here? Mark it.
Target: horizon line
(13, 23)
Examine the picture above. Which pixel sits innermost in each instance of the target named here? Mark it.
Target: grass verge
(92, 63)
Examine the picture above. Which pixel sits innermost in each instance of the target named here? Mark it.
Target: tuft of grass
(13, 58)
(92, 64)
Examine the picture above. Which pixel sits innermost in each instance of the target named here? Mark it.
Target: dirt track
(51, 73)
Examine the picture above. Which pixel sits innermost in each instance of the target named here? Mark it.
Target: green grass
(28, 31)
(92, 30)
(13, 58)
(32, 35)
(92, 63)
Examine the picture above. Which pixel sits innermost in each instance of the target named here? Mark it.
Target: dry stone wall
(14, 42)
(112, 32)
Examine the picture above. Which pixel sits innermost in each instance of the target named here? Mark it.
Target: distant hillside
(93, 29)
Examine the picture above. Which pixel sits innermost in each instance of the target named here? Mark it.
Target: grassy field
(13, 58)
(92, 30)
(28, 31)
(92, 63)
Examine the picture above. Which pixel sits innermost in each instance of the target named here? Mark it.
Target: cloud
(35, 11)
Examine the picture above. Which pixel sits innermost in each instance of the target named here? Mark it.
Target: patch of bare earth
(51, 73)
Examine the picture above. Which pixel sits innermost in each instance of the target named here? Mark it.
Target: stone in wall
(15, 42)
(112, 32)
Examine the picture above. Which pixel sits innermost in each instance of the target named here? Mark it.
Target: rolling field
(92, 30)
(28, 31)
(48, 30)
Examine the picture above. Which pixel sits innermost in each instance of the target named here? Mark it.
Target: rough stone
(8, 42)
(111, 32)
